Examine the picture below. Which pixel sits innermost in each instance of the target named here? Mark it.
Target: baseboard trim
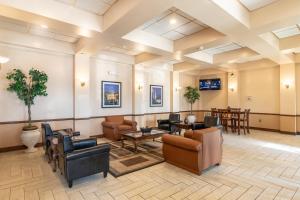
(16, 148)
(275, 131)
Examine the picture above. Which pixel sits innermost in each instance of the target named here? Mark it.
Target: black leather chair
(168, 124)
(80, 158)
(209, 121)
(48, 134)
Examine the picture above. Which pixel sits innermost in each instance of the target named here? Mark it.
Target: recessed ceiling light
(44, 26)
(173, 21)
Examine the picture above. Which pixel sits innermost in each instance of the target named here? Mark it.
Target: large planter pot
(191, 119)
(30, 138)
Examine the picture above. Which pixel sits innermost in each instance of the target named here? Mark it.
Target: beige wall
(259, 90)
(184, 81)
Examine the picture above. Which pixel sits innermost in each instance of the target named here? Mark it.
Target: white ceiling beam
(211, 11)
(58, 11)
(119, 24)
(36, 42)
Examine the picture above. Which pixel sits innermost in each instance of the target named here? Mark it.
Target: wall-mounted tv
(210, 84)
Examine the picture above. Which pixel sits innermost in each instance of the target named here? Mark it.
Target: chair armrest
(109, 124)
(188, 134)
(77, 133)
(163, 121)
(197, 126)
(130, 123)
(84, 143)
(182, 142)
(78, 154)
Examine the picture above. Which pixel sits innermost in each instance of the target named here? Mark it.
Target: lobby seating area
(149, 100)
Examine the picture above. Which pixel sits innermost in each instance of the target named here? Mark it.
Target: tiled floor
(258, 166)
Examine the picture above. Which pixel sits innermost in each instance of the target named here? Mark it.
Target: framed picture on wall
(111, 94)
(156, 96)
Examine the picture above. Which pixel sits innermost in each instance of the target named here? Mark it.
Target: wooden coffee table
(138, 136)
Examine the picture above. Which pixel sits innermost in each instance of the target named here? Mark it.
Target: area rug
(126, 160)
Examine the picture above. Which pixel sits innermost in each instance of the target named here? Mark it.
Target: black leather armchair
(168, 124)
(209, 121)
(48, 134)
(81, 158)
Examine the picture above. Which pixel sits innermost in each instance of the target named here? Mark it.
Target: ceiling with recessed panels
(287, 31)
(203, 34)
(256, 4)
(98, 7)
(173, 25)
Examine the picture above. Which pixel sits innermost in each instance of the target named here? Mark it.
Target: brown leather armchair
(196, 151)
(114, 126)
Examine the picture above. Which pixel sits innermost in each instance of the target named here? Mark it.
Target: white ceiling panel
(189, 28)
(256, 4)
(164, 25)
(173, 35)
(98, 7)
(222, 48)
(94, 6)
(173, 24)
(287, 31)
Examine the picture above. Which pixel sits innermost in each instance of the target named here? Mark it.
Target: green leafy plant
(192, 95)
(28, 88)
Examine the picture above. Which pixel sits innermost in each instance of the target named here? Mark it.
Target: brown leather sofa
(114, 126)
(196, 151)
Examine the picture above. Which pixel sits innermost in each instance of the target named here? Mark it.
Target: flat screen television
(210, 84)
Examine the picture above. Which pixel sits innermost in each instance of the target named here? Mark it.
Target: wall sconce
(140, 87)
(231, 89)
(110, 73)
(3, 60)
(178, 88)
(287, 84)
(82, 83)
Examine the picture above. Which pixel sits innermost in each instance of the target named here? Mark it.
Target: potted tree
(192, 95)
(27, 89)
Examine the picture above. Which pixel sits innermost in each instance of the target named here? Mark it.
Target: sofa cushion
(116, 119)
(124, 127)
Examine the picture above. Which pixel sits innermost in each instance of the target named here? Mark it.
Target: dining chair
(235, 116)
(214, 112)
(224, 118)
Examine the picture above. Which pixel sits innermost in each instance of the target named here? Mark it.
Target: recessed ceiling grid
(173, 25)
(23, 27)
(287, 31)
(222, 48)
(252, 5)
(98, 7)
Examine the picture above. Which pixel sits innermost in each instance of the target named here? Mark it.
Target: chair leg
(70, 183)
(105, 174)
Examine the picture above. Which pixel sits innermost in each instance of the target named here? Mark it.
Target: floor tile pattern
(261, 166)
